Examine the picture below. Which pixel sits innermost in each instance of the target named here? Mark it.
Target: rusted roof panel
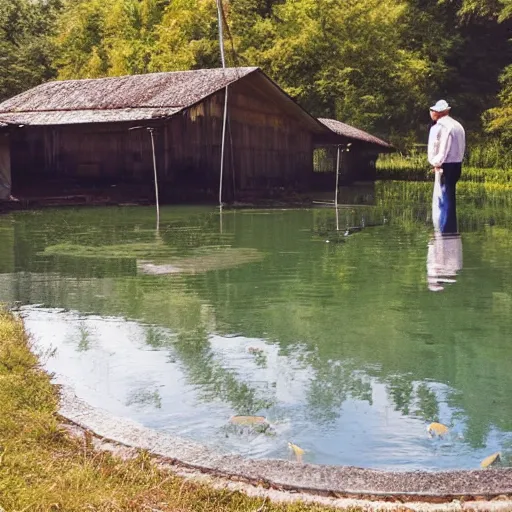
(353, 133)
(126, 98)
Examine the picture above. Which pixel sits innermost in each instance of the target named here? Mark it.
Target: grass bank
(43, 468)
(489, 164)
(397, 167)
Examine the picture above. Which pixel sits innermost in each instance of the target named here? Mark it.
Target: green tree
(187, 37)
(345, 59)
(482, 54)
(499, 119)
(82, 53)
(491, 9)
(376, 64)
(108, 37)
(26, 49)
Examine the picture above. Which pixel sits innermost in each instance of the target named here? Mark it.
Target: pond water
(349, 342)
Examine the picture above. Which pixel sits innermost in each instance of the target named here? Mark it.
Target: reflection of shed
(357, 164)
(76, 135)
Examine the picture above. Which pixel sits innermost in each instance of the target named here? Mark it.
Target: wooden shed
(92, 135)
(359, 156)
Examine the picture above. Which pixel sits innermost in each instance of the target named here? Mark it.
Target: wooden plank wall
(271, 149)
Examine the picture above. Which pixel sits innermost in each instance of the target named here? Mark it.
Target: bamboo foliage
(376, 65)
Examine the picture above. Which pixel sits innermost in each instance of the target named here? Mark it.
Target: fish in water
(437, 429)
(248, 420)
(297, 450)
(250, 424)
(491, 460)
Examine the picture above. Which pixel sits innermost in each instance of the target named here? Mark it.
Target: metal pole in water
(223, 59)
(223, 145)
(151, 130)
(338, 155)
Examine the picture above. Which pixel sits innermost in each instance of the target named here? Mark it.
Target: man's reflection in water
(444, 260)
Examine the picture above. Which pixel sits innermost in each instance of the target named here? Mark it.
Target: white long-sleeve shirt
(446, 142)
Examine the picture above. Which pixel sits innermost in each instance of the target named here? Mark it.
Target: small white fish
(297, 450)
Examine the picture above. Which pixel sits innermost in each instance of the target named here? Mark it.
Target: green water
(335, 336)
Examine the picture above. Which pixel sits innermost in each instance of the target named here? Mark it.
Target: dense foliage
(376, 64)
(26, 45)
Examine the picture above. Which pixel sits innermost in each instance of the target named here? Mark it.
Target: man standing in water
(446, 145)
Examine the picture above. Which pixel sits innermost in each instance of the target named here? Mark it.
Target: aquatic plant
(130, 250)
(158, 258)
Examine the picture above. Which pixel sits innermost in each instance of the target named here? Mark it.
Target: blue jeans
(449, 179)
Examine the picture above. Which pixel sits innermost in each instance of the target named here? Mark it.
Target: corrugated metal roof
(353, 133)
(126, 98)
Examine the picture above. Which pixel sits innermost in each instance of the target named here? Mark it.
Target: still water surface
(350, 342)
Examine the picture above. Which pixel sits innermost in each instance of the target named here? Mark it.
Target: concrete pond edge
(491, 486)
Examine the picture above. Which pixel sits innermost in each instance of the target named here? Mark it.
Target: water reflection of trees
(392, 331)
(215, 381)
(401, 336)
(331, 385)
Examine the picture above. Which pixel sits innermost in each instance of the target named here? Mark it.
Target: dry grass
(42, 468)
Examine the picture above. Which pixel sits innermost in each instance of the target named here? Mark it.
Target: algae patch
(157, 258)
(204, 261)
(153, 250)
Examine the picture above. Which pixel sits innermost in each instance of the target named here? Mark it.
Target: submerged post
(338, 165)
(157, 200)
(151, 132)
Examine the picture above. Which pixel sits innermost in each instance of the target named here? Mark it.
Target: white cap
(440, 106)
